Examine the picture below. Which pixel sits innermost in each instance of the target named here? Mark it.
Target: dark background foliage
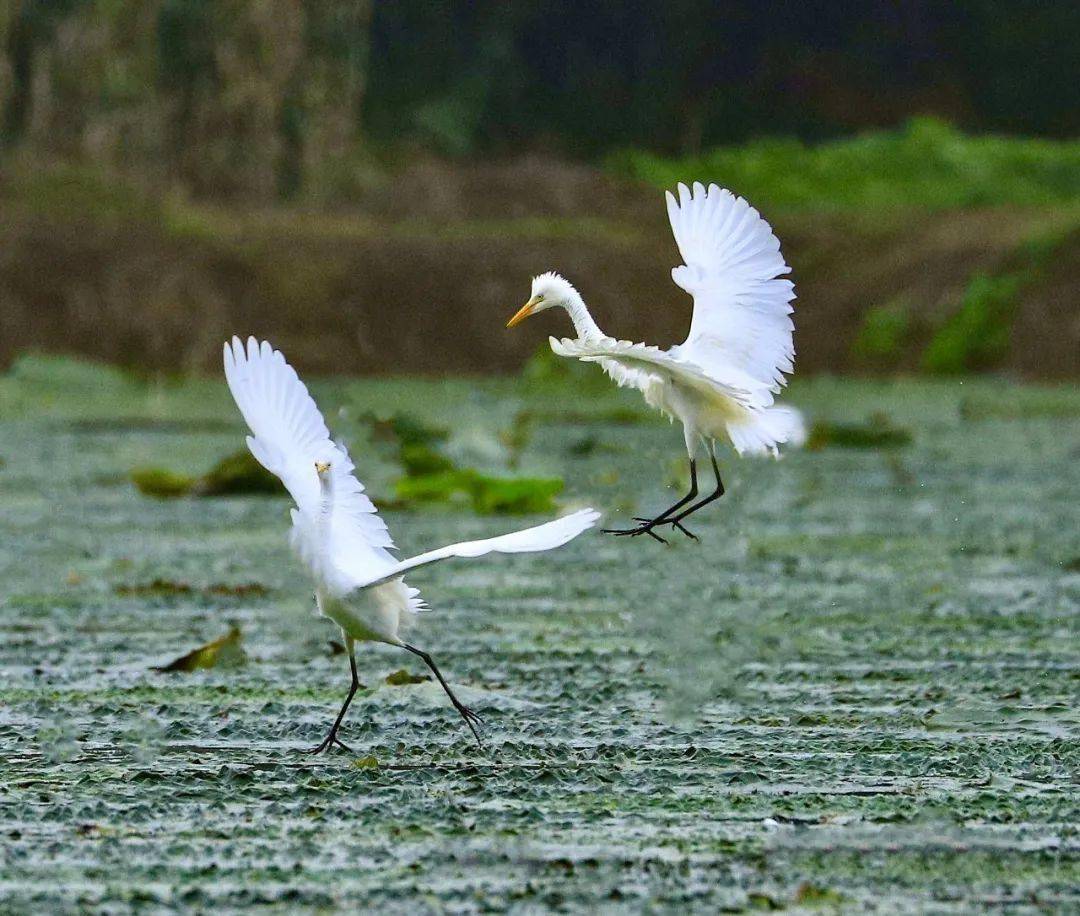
(358, 179)
(680, 75)
(307, 81)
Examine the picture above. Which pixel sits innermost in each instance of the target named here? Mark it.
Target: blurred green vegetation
(877, 432)
(884, 334)
(928, 164)
(976, 336)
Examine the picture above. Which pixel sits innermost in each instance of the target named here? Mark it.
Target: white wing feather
(742, 311)
(640, 361)
(289, 436)
(528, 540)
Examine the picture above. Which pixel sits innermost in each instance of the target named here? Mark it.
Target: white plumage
(741, 320)
(721, 382)
(336, 531)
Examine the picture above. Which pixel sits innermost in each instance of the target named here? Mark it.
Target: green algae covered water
(859, 690)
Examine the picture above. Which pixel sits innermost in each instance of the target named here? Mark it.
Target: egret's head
(322, 468)
(548, 290)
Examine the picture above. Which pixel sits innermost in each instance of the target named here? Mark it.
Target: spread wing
(528, 540)
(742, 310)
(289, 436)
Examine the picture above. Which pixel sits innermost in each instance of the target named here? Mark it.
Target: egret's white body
(336, 530)
(721, 382)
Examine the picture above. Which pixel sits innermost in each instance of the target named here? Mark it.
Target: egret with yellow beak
(721, 381)
(336, 531)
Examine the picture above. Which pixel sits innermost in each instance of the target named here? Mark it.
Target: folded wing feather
(637, 358)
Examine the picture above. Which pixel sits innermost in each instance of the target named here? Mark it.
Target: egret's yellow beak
(524, 312)
(321, 467)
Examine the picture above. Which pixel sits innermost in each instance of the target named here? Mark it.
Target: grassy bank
(927, 165)
(921, 251)
(856, 690)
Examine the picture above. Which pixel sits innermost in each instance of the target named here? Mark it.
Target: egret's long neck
(586, 328)
(326, 504)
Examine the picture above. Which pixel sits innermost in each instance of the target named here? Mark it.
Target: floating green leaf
(224, 652)
(514, 495)
(161, 586)
(877, 432)
(235, 474)
(444, 487)
(813, 895)
(163, 484)
(417, 459)
(401, 677)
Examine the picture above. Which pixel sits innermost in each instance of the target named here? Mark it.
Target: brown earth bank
(421, 276)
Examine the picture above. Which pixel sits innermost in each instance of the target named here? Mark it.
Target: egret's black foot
(472, 719)
(675, 523)
(470, 714)
(330, 741)
(634, 532)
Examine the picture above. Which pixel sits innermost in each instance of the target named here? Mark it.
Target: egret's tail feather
(764, 430)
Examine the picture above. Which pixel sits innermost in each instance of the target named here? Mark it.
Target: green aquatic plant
(432, 477)
(162, 587)
(403, 677)
(878, 432)
(405, 429)
(162, 483)
(483, 493)
(513, 495)
(234, 475)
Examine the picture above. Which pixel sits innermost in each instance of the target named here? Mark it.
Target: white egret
(335, 529)
(720, 382)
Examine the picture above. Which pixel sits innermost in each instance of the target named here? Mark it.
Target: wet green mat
(859, 689)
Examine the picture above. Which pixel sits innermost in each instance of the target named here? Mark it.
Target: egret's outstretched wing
(742, 311)
(289, 437)
(529, 540)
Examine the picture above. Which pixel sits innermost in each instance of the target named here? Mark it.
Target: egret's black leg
(715, 495)
(467, 714)
(332, 739)
(647, 524)
(682, 502)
